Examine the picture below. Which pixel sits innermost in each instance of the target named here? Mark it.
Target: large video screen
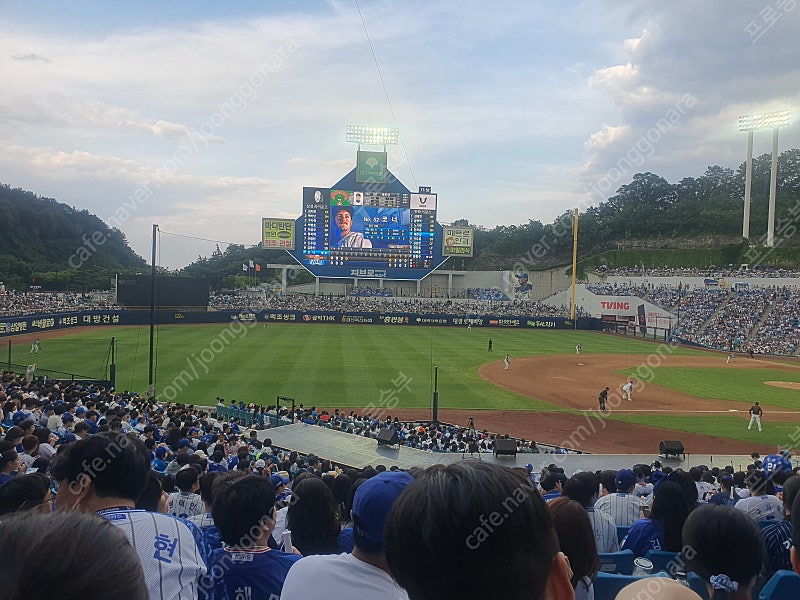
(363, 231)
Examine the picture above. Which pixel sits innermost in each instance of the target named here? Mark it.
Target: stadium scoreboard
(352, 230)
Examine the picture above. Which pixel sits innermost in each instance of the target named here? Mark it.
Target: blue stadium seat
(617, 562)
(784, 585)
(608, 585)
(622, 533)
(661, 558)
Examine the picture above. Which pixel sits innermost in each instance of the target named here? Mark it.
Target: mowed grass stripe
(726, 426)
(729, 383)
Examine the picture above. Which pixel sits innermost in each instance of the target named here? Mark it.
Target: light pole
(773, 120)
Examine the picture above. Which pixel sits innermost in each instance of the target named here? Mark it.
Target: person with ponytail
(724, 546)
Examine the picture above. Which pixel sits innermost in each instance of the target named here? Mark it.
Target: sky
(206, 116)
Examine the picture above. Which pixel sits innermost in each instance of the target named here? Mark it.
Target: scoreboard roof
(392, 185)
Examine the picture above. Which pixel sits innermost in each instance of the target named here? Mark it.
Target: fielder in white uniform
(627, 389)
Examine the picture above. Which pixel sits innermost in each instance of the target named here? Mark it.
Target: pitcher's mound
(789, 385)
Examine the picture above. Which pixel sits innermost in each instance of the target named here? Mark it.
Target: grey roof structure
(358, 451)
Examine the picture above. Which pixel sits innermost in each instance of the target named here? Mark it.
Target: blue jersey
(256, 575)
(644, 535)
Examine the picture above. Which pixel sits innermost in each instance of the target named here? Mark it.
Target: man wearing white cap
(364, 574)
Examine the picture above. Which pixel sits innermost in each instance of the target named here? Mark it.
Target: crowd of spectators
(695, 308)
(13, 303)
(713, 272)
(187, 506)
(367, 291)
(618, 289)
(730, 327)
(423, 306)
(493, 294)
(780, 332)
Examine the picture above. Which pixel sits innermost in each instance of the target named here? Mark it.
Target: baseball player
(578, 349)
(602, 398)
(490, 344)
(35, 346)
(627, 389)
(755, 416)
(507, 362)
(731, 358)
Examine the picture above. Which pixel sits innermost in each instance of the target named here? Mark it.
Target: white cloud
(527, 104)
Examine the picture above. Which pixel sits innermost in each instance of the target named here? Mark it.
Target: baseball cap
(276, 480)
(371, 504)
(184, 443)
(67, 418)
(80, 410)
(161, 451)
(20, 416)
(529, 466)
(68, 437)
(200, 453)
(625, 479)
(260, 464)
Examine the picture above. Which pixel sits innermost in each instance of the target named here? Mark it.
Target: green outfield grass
(359, 366)
(741, 385)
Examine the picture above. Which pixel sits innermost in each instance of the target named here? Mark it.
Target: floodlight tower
(750, 123)
(373, 135)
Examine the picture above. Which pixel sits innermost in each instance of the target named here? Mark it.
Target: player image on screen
(352, 232)
(343, 224)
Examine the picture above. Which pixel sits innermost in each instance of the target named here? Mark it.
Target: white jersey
(624, 509)
(605, 530)
(185, 504)
(762, 508)
(339, 576)
(170, 558)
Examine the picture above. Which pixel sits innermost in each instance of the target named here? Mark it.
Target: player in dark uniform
(490, 344)
(602, 398)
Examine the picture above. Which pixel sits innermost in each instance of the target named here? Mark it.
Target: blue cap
(276, 480)
(68, 437)
(67, 418)
(625, 480)
(373, 500)
(80, 410)
(162, 451)
(184, 443)
(20, 416)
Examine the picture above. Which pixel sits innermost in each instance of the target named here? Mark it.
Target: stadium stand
(284, 446)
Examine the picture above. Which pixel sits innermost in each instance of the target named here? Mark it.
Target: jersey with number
(255, 575)
(185, 504)
(171, 559)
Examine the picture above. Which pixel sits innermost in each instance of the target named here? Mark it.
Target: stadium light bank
(750, 123)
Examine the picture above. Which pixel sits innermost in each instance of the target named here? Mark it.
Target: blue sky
(214, 115)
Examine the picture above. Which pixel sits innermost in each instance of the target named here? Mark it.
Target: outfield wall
(33, 324)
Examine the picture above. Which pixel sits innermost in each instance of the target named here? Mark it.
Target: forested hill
(701, 212)
(42, 242)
